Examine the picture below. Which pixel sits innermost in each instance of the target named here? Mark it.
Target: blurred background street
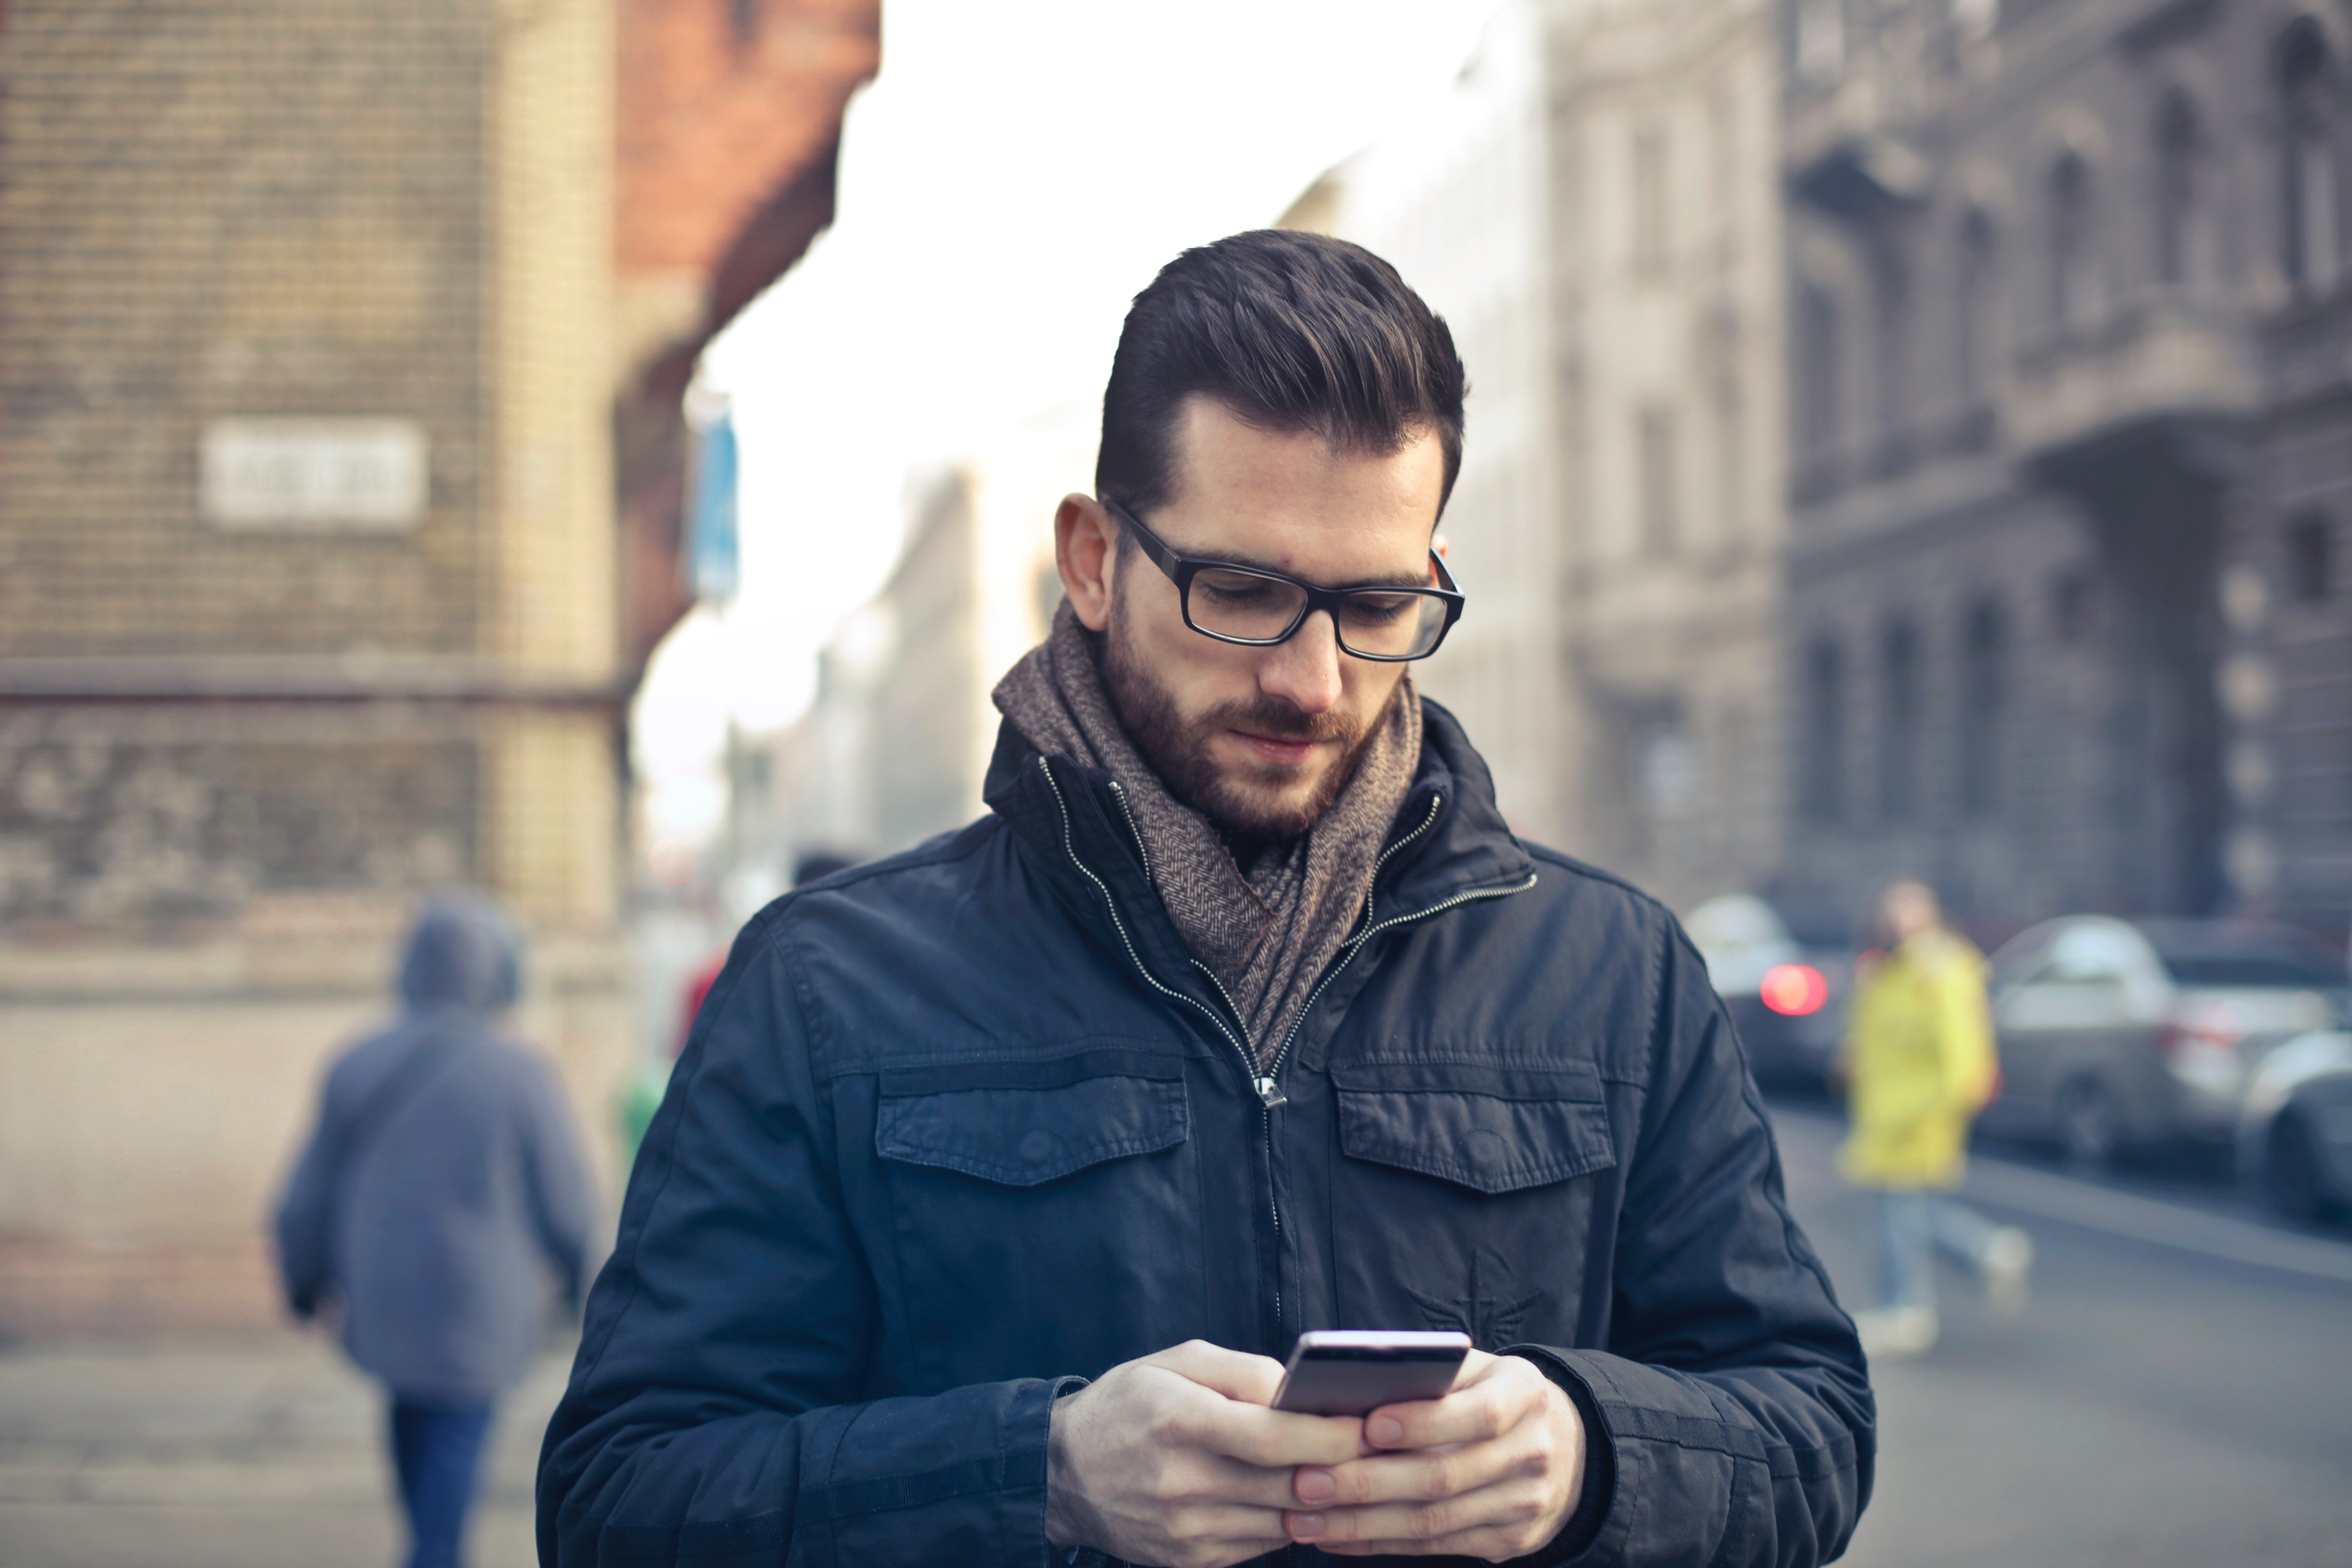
(601, 453)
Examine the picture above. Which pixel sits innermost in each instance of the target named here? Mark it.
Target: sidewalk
(261, 1456)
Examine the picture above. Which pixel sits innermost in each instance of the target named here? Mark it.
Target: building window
(1973, 303)
(1983, 695)
(2178, 145)
(1730, 459)
(2070, 604)
(1823, 784)
(1655, 438)
(1818, 411)
(2073, 279)
(1651, 239)
(1723, 149)
(2310, 252)
(1891, 281)
(1898, 753)
(2310, 563)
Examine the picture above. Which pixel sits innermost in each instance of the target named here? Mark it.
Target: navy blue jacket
(960, 1127)
(441, 1193)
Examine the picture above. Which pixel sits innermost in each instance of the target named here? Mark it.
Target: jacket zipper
(1120, 926)
(1269, 1089)
(1249, 1057)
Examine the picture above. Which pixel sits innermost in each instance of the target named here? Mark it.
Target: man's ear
(1085, 552)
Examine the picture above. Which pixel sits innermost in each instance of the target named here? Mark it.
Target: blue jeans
(1913, 1227)
(437, 1451)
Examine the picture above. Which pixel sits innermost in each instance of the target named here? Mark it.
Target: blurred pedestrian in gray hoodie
(439, 1198)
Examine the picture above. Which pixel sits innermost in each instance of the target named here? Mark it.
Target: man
(998, 1173)
(440, 1195)
(1920, 1063)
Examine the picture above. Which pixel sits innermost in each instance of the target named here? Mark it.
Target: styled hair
(1290, 332)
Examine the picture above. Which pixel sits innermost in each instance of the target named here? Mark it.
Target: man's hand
(1176, 1458)
(1494, 1470)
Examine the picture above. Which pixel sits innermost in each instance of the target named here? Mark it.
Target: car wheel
(2090, 1129)
(2291, 1170)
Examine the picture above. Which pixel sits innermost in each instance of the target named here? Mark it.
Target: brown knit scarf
(1267, 933)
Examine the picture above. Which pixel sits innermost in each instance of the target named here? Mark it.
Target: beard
(1251, 806)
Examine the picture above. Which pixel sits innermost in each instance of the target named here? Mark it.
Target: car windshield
(2250, 971)
(2245, 956)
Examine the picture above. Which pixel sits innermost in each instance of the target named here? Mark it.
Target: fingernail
(1307, 1526)
(1385, 1429)
(1312, 1485)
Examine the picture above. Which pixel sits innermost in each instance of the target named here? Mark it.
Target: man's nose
(1306, 669)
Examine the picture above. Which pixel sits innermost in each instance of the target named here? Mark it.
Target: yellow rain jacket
(1920, 1063)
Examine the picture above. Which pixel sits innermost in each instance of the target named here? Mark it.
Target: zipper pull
(1269, 1093)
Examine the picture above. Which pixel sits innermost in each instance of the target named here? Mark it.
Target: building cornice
(340, 677)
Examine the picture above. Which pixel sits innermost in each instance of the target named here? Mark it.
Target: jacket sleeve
(305, 1220)
(716, 1414)
(563, 1200)
(1736, 1425)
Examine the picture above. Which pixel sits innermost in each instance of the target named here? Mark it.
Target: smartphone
(1351, 1372)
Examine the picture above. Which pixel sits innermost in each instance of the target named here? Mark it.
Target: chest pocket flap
(1493, 1129)
(1023, 1125)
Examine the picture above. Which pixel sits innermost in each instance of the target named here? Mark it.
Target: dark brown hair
(1289, 332)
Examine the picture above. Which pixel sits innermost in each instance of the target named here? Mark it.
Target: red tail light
(2217, 1026)
(1793, 989)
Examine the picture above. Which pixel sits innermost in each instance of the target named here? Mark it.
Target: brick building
(309, 592)
(2072, 454)
(729, 132)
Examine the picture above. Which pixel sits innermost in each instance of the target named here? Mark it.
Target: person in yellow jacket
(1918, 1063)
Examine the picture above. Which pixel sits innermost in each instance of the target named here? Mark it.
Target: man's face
(1261, 740)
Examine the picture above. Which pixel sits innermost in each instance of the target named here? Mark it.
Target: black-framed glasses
(1257, 608)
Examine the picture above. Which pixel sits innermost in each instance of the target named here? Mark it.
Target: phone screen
(1348, 1372)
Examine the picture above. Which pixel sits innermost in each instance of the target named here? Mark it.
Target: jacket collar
(1449, 839)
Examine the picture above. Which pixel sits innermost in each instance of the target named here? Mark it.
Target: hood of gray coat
(463, 953)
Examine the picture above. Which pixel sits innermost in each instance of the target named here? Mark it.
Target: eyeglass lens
(1244, 605)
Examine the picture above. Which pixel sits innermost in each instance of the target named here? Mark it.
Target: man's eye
(1232, 594)
(1379, 610)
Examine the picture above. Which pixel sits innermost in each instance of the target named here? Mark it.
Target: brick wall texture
(234, 207)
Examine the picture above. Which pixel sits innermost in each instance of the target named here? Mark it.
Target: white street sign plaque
(314, 473)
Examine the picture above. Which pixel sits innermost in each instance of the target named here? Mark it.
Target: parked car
(2116, 1035)
(1786, 998)
(2294, 1129)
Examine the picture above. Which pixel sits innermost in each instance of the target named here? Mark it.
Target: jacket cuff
(1060, 1556)
(1600, 1491)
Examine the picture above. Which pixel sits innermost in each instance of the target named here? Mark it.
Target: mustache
(1280, 721)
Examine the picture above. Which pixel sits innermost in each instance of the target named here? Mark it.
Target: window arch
(2073, 277)
(2179, 149)
(2310, 231)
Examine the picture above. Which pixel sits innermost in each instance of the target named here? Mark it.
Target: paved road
(2178, 1392)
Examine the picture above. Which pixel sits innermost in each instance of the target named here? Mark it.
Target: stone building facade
(1592, 210)
(2072, 454)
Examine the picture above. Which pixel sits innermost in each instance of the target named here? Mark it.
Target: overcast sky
(1016, 173)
